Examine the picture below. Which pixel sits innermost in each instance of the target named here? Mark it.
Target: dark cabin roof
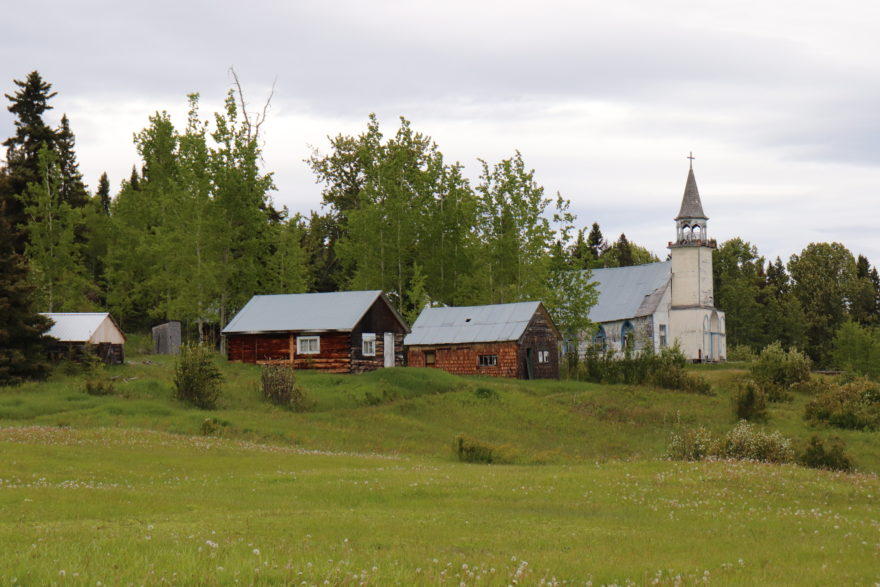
(310, 312)
(629, 292)
(468, 324)
(691, 207)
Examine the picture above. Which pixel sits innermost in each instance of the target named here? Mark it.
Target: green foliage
(827, 454)
(690, 444)
(278, 383)
(857, 349)
(776, 370)
(471, 450)
(665, 369)
(854, 405)
(741, 353)
(196, 378)
(750, 402)
(824, 280)
(745, 442)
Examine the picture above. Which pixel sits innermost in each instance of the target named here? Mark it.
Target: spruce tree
(22, 150)
(22, 340)
(596, 241)
(103, 193)
(72, 189)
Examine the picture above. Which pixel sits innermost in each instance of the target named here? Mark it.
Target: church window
(627, 335)
(663, 342)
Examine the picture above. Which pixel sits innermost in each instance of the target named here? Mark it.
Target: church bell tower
(691, 252)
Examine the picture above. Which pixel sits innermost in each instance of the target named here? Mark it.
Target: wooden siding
(335, 355)
(464, 359)
(540, 335)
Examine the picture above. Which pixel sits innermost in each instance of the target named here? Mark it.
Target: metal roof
(466, 324)
(628, 292)
(312, 312)
(691, 206)
(76, 326)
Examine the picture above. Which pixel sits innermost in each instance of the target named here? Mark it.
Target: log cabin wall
(335, 347)
(540, 335)
(464, 359)
(378, 320)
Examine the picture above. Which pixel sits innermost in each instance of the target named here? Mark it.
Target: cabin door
(389, 349)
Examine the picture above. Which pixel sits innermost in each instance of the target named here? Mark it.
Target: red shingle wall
(464, 359)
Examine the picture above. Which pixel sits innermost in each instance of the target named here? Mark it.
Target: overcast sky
(777, 99)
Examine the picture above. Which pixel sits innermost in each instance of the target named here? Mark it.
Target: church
(667, 303)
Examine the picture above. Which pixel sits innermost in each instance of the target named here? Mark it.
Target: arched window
(627, 334)
(599, 337)
(697, 232)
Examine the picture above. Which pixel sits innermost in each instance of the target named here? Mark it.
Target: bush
(666, 369)
(470, 450)
(279, 386)
(742, 353)
(854, 405)
(691, 444)
(750, 403)
(776, 370)
(196, 378)
(831, 455)
(745, 442)
(98, 385)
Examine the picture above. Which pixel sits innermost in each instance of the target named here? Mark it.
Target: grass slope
(365, 489)
(117, 506)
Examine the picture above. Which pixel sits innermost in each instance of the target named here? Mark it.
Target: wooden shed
(78, 332)
(503, 340)
(337, 332)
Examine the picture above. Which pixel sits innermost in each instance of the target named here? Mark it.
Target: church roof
(629, 292)
(691, 207)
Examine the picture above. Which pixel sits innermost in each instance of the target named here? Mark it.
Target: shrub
(741, 352)
(692, 444)
(279, 386)
(98, 385)
(830, 455)
(854, 405)
(750, 403)
(776, 370)
(470, 450)
(745, 442)
(196, 378)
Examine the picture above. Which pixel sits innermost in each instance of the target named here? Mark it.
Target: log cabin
(502, 340)
(80, 332)
(335, 332)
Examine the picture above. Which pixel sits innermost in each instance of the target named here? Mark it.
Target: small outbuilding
(336, 332)
(78, 332)
(503, 340)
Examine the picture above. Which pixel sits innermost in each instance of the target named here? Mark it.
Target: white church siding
(665, 303)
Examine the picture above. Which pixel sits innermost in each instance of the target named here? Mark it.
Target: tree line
(193, 233)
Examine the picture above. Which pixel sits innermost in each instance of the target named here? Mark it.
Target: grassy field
(366, 489)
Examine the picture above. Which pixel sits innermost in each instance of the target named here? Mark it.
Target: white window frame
(490, 361)
(306, 341)
(368, 344)
(543, 356)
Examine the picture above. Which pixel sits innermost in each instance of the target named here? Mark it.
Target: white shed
(97, 330)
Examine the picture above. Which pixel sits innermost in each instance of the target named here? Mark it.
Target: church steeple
(691, 220)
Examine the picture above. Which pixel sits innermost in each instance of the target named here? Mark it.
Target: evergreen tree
(103, 193)
(22, 150)
(864, 308)
(72, 189)
(596, 242)
(22, 330)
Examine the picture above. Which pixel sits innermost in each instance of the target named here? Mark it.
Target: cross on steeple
(691, 157)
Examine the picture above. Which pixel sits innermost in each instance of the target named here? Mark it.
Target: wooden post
(292, 346)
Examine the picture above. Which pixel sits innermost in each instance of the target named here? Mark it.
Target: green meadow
(135, 488)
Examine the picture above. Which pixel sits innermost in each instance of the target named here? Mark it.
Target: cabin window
(308, 345)
(430, 358)
(488, 360)
(543, 356)
(368, 345)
